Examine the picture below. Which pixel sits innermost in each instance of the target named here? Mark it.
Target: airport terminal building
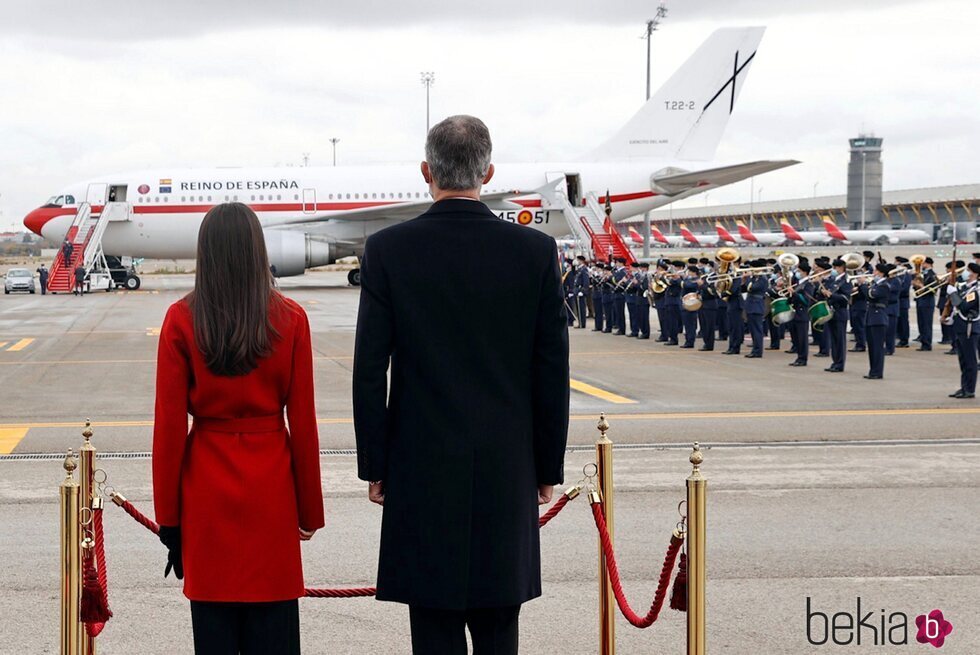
(945, 212)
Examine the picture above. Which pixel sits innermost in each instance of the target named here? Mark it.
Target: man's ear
(426, 175)
(490, 172)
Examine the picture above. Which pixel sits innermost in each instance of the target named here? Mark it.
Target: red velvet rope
(661, 594)
(357, 592)
(94, 629)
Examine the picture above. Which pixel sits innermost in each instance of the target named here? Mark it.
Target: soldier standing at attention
(965, 299)
(619, 295)
(643, 301)
(838, 294)
(877, 293)
(608, 299)
(42, 274)
(755, 288)
(595, 282)
(580, 287)
(925, 306)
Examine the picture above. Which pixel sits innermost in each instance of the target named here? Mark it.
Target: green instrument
(820, 313)
(782, 311)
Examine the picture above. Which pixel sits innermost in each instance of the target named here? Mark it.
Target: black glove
(170, 537)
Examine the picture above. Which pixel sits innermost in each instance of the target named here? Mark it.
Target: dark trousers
(643, 309)
(619, 302)
(858, 318)
(672, 320)
(494, 630)
(246, 628)
(660, 322)
(708, 318)
(902, 329)
(966, 352)
(802, 331)
(890, 333)
(736, 330)
(634, 315)
(838, 342)
(582, 309)
(609, 312)
(946, 331)
(876, 349)
(776, 333)
(723, 327)
(44, 286)
(597, 311)
(923, 317)
(690, 321)
(756, 330)
(822, 337)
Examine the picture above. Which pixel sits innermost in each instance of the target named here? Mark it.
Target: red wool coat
(238, 482)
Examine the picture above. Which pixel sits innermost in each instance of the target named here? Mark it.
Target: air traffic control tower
(864, 182)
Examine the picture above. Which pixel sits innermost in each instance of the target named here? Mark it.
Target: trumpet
(737, 273)
(899, 270)
(859, 277)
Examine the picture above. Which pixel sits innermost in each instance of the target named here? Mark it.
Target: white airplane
(880, 237)
(313, 216)
(809, 237)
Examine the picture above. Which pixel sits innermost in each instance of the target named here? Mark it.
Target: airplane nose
(35, 220)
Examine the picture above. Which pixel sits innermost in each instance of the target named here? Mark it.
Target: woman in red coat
(237, 492)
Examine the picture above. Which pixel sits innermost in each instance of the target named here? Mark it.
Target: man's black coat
(468, 308)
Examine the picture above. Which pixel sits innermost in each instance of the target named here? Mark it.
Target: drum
(782, 311)
(691, 301)
(820, 313)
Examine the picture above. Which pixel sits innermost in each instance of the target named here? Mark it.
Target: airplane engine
(294, 252)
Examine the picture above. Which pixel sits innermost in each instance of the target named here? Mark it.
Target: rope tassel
(678, 595)
(93, 608)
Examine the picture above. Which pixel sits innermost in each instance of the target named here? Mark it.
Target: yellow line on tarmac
(9, 438)
(20, 345)
(3, 343)
(951, 411)
(602, 394)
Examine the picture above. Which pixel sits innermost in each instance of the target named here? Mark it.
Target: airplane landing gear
(132, 282)
(354, 277)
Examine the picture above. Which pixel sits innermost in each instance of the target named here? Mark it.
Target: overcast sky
(92, 88)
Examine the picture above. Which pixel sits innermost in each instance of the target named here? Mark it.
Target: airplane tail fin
(658, 235)
(635, 236)
(745, 232)
(724, 234)
(832, 229)
(686, 233)
(686, 117)
(790, 231)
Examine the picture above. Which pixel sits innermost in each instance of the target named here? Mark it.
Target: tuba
(726, 258)
(853, 261)
(787, 262)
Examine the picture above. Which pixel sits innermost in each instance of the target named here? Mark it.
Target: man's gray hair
(458, 152)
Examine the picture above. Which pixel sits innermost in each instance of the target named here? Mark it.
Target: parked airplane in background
(880, 237)
(809, 237)
(723, 234)
(664, 240)
(312, 216)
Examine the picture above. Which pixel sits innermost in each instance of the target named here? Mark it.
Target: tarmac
(822, 486)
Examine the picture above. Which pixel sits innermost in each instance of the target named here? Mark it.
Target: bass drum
(782, 311)
(820, 313)
(691, 301)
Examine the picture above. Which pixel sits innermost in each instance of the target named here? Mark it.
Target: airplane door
(96, 193)
(309, 201)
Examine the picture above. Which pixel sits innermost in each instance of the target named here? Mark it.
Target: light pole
(651, 28)
(333, 142)
(864, 159)
(428, 79)
(815, 188)
(306, 159)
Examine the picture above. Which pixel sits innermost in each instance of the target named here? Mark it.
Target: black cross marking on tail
(736, 69)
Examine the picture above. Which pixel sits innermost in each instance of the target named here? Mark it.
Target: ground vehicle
(19, 279)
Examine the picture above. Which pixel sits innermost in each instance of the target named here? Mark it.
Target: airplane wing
(674, 182)
(391, 210)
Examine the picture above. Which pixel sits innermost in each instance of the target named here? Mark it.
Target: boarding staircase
(85, 236)
(594, 230)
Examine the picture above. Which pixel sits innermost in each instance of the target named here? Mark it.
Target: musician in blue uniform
(568, 288)
(945, 330)
(659, 301)
(608, 299)
(580, 287)
(632, 293)
(689, 319)
(965, 299)
(800, 325)
(755, 287)
(859, 307)
(643, 300)
(838, 294)
(902, 330)
(620, 275)
(877, 293)
(821, 337)
(776, 330)
(595, 288)
(732, 307)
(672, 303)
(708, 315)
(925, 305)
(894, 291)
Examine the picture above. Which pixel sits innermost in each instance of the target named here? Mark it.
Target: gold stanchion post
(697, 496)
(607, 602)
(71, 581)
(86, 486)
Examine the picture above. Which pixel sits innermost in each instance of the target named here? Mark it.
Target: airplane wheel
(132, 283)
(354, 277)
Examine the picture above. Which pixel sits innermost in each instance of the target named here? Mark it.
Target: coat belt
(272, 423)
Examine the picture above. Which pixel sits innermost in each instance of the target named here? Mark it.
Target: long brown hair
(233, 291)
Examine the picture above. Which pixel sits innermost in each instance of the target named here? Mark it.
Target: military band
(732, 300)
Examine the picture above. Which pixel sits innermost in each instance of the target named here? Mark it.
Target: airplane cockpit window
(56, 201)
(69, 200)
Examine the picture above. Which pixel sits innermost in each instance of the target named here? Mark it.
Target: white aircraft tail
(686, 117)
